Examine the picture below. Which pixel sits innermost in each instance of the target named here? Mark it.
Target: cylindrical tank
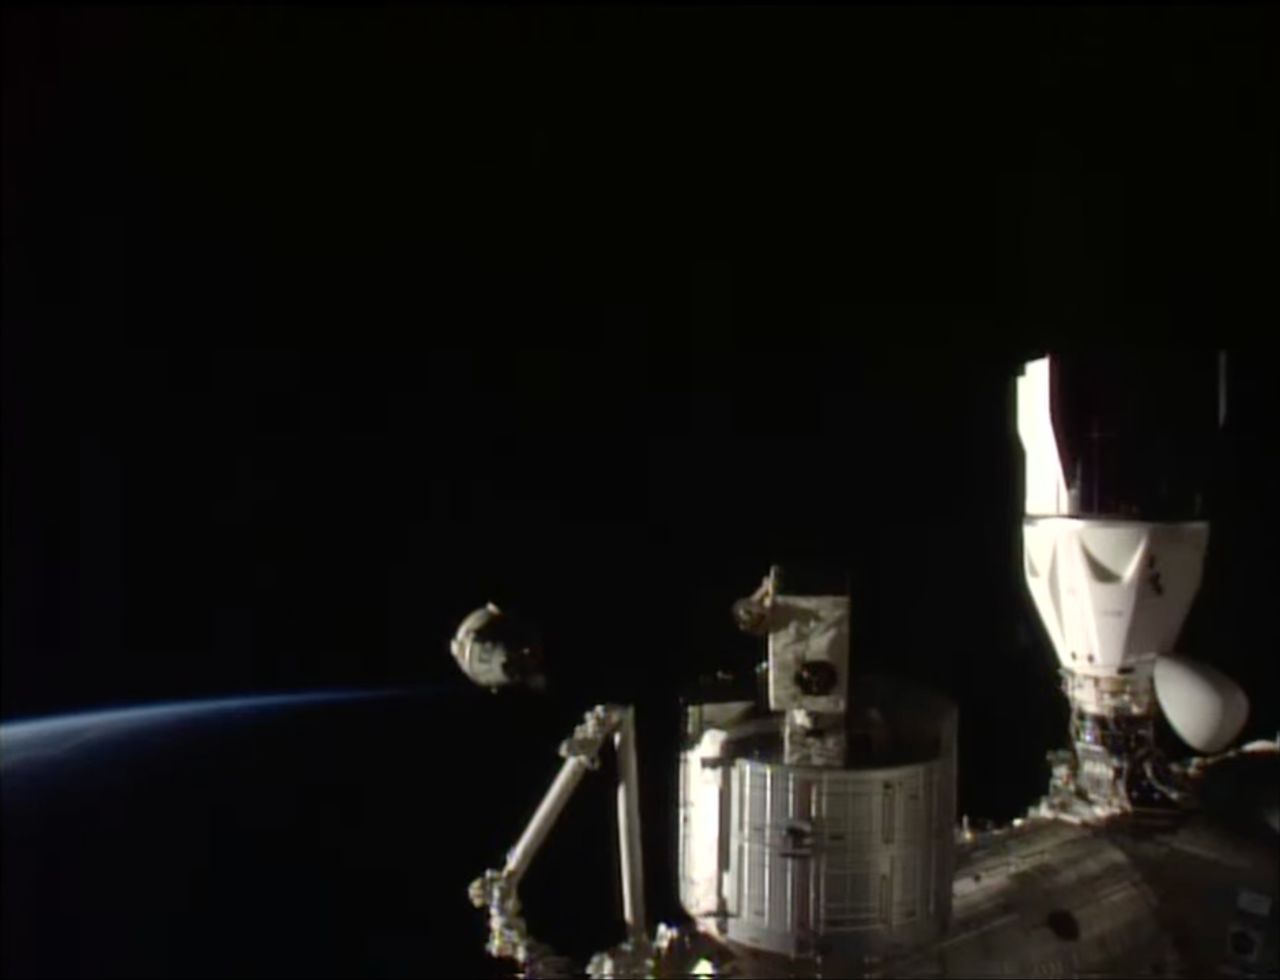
(812, 861)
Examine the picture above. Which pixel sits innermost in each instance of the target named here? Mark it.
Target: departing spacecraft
(817, 821)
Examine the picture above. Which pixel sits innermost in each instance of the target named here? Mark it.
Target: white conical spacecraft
(1113, 558)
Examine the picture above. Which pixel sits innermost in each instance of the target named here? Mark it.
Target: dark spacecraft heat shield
(1136, 430)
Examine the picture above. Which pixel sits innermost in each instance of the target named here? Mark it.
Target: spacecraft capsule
(496, 650)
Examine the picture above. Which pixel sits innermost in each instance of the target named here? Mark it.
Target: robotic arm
(496, 889)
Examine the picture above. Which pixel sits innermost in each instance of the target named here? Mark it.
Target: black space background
(323, 327)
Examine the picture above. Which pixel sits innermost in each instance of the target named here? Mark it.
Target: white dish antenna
(1204, 706)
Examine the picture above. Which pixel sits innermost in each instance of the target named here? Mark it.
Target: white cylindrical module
(839, 862)
(805, 861)
(703, 847)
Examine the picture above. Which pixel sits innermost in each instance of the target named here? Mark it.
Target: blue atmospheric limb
(28, 740)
